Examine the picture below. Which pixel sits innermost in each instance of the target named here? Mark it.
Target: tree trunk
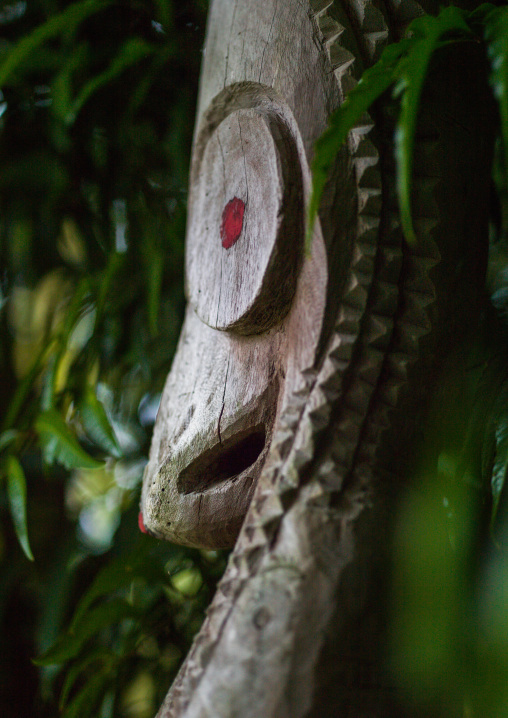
(326, 346)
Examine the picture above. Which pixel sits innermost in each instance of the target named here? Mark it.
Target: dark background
(96, 121)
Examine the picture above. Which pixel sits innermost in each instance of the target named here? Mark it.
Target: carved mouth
(224, 461)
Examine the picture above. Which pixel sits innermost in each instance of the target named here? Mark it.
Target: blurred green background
(96, 120)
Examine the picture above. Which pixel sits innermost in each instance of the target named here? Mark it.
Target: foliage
(96, 115)
(449, 643)
(84, 166)
(404, 66)
(137, 618)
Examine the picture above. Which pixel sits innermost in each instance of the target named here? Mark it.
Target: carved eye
(245, 234)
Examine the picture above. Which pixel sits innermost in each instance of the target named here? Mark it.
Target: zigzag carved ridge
(416, 294)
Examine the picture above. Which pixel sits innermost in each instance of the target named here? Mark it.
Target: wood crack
(223, 401)
(229, 42)
(267, 42)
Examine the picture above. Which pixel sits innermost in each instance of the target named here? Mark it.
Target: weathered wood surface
(265, 96)
(289, 366)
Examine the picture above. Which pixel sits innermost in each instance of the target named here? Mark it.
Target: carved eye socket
(245, 232)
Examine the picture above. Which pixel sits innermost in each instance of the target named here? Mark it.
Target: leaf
(48, 383)
(61, 443)
(23, 388)
(476, 18)
(115, 262)
(61, 87)
(132, 52)
(97, 425)
(67, 647)
(16, 491)
(404, 64)
(411, 74)
(496, 37)
(374, 82)
(78, 670)
(153, 258)
(7, 438)
(86, 699)
(78, 304)
(500, 464)
(71, 16)
(119, 574)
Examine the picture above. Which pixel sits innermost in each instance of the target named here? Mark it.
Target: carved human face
(257, 303)
(255, 306)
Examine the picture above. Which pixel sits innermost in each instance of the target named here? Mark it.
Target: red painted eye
(141, 524)
(243, 261)
(232, 222)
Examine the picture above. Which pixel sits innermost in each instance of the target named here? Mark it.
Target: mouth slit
(223, 461)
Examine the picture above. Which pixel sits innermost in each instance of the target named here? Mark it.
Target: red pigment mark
(141, 524)
(232, 222)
